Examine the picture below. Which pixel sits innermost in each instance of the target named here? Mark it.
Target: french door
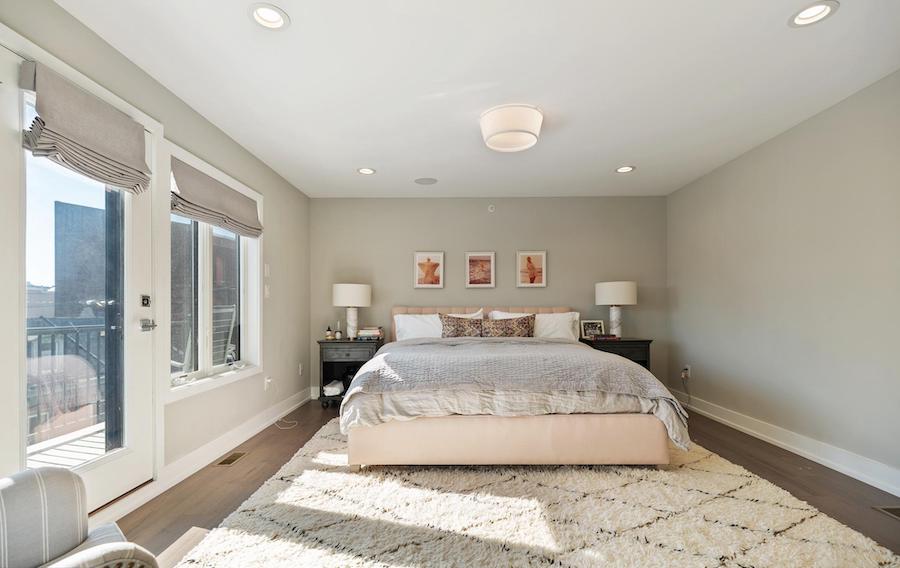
(84, 395)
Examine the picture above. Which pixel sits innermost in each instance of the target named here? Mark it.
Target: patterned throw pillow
(460, 327)
(514, 327)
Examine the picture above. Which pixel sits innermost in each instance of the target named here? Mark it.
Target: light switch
(266, 292)
(266, 270)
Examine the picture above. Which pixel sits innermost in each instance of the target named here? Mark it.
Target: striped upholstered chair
(44, 522)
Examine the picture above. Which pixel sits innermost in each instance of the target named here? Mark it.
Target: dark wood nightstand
(339, 359)
(638, 350)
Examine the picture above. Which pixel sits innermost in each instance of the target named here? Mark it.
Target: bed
(516, 401)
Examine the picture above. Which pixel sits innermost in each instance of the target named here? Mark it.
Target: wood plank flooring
(171, 524)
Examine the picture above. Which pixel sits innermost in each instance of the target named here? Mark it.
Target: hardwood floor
(174, 522)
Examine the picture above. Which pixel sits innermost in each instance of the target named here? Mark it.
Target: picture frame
(592, 328)
(428, 269)
(480, 270)
(531, 269)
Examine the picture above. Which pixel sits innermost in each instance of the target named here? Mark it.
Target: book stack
(371, 333)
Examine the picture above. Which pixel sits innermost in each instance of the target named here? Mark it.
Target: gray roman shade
(81, 132)
(202, 198)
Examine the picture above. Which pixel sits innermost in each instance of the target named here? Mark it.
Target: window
(185, 315)
(208, 275)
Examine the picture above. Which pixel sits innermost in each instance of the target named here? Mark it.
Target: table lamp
(351, 296)
(614, 295)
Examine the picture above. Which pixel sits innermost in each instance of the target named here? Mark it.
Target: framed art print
(428, 268)
(480, 271)
(531, 269)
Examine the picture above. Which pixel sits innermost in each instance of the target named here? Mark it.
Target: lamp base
(352, 322)
(615, 321)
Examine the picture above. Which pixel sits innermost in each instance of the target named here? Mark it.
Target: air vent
(893, 511)
(231, 458)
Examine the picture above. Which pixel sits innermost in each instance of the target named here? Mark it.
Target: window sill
(181, 392)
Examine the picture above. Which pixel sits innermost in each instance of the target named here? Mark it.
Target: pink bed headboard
(392, 336)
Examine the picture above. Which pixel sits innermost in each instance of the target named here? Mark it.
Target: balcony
(66, 391)
(69, 450)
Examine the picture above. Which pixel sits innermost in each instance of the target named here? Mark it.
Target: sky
(47, 183)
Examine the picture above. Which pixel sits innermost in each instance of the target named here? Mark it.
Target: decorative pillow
(460, 327)
(548, 326)
(511, 327)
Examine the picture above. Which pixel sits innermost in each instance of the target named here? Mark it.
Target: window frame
(209, 376)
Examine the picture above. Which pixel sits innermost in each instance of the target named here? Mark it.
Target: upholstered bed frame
(638, 439)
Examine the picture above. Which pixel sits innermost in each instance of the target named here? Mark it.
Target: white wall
(587, 240)
(192, 422)
(784, 278)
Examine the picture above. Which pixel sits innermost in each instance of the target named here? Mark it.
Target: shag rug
(700, 511)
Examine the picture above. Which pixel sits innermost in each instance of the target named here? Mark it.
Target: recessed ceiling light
(269, 16)
(814, 13)
(426, 181)
(624, 169)
(365, 171)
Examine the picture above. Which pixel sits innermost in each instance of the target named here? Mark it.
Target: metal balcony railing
(66, 377)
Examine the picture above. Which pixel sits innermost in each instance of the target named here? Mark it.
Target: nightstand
(638, 350)
(340, 359)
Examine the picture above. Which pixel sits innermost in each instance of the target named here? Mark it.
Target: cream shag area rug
(700, 511)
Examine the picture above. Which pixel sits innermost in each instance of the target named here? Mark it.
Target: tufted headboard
(392, 336)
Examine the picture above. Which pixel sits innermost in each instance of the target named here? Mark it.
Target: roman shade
(83, 133)
(202, 198)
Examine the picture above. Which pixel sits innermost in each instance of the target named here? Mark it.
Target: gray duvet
(504, 377)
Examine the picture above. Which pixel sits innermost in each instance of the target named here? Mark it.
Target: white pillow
(409, 326)
(474, 315)
(548, 326)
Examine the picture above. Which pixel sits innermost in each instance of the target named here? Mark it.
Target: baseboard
(184, 467)
(864, 469)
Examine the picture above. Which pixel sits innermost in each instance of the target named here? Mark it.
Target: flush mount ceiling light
(814, 13)
(511, 128)
(365, 171)
(269, 16)
(624, 169)
(426, 181)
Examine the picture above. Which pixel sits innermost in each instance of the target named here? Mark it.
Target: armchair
(44, 523)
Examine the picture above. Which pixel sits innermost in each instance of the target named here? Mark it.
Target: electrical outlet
(266, 383)
(300, 369)
(686, 372)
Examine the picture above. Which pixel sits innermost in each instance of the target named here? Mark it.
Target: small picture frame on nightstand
(592, 329)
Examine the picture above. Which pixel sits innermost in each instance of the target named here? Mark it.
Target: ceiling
(674, 88)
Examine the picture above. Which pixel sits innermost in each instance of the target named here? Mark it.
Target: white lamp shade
(351, 295)
(615, 293)
(511, 128)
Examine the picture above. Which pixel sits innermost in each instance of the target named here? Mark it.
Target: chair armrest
(110, 555)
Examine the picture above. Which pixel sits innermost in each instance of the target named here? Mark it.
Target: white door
(85, 389)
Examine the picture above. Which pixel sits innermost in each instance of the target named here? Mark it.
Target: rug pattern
(700, 511)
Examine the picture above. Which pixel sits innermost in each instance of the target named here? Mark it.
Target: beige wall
(587, 240)
(784, 274)
(193, 422)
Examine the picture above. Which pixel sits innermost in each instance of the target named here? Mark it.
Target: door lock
(148, 325)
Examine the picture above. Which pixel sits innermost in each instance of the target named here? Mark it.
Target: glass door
(86, 399)
(74, 268)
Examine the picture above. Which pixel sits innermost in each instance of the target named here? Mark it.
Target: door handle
(148, 325)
